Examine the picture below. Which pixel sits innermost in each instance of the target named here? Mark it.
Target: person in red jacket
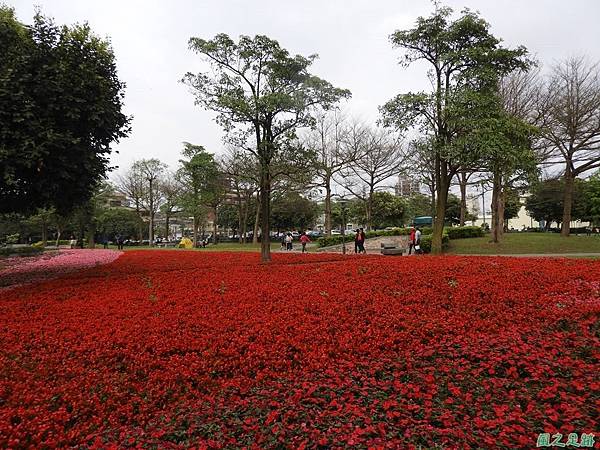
(411, 240)
(304, 239)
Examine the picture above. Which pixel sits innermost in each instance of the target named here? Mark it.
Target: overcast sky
(351, 37)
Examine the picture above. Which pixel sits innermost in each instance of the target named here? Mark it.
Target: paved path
(372, 245)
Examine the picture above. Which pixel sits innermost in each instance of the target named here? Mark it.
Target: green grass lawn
(526, 243)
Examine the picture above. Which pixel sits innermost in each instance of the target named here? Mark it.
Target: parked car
(314, 234)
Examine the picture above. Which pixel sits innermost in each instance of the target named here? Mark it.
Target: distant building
(407, 186)
(116, 200)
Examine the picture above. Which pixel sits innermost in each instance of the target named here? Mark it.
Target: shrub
(39, 244)
(464, 232)
(20, 251)
(426, 242)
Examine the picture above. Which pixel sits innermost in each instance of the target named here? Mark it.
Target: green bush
(39, 244)
(60, 242)
(20, 251)
(333, 240)
(463, 232)
(426, 242)
(12, 238)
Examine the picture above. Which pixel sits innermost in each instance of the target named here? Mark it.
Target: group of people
(287, 241)
(359, 241)
(414, 241)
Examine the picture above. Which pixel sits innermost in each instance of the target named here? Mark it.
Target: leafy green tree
(512, 205)
(505, 144)
(545, 202)
(418, 205)
(228, 217)
(290, 210)
(388, 210)
(60, 109)
(203, 186)
(122, 221)
(465, 60)
(453, 210)
(261, 94)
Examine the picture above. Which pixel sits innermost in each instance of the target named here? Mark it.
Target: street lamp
(343, 203)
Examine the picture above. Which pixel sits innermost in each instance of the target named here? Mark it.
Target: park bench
(390, 248)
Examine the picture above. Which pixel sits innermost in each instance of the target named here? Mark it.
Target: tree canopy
(466, 62)
(61, 110)
(261, 94)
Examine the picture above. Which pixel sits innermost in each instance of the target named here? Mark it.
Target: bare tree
(151, 171)
(131, 184)
(420, 163)
(171, 190)
(243, 174)
(382, 157)
(571, 123)
(328, 140)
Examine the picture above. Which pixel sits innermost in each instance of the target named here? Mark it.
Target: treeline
(492, 119)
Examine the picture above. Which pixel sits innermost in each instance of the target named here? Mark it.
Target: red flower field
(173, 349)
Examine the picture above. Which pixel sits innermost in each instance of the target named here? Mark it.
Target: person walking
(119, 242)
(356, 237)
(411, 240)
(361, 241)
(283, 244)
(304, 239)
(418, 241)
(105, 242)
(288, 242)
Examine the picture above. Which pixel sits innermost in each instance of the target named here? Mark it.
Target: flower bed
(17, 271)
(170, 349)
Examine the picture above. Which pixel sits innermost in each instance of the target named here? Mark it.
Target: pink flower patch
(19, 271)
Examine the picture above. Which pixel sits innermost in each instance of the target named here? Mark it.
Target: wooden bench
(389, 248)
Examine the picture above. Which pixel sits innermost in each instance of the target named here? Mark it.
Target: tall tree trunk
(140, 223)
(58, 233)
(167, 217)
(195, 226)
(265, 212)
(245, 221)
(328, 207)
(498, 198)
(442, 187)
(501, 208)
(151, 225)
(462, 182)
(240, 218)
(370, 209)
(44, 232)
(91, 232)
(256, 219)
(567, 201)
(215, 225)
(151, 230)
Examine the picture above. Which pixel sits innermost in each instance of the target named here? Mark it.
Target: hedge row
(426, 242)
(20, 251)
(464, 232)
